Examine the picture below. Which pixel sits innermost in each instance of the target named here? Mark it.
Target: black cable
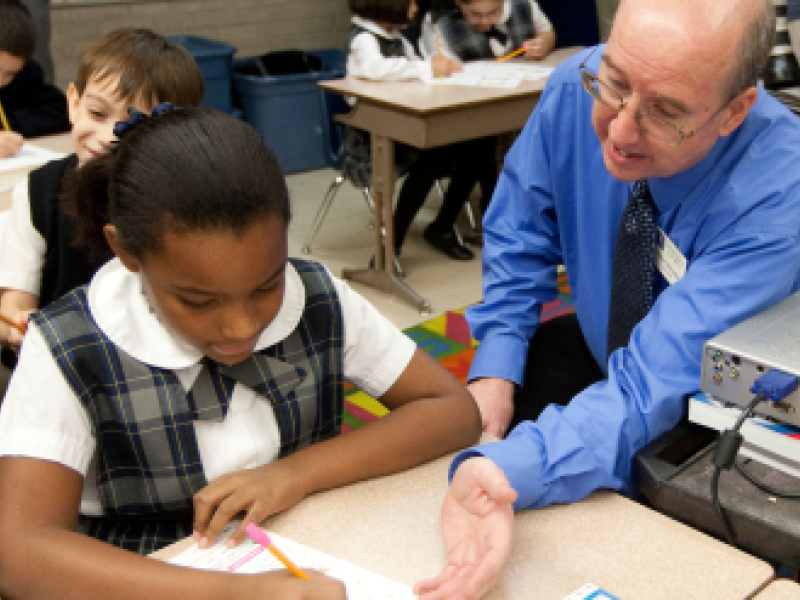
(724, 457)
(763, 486)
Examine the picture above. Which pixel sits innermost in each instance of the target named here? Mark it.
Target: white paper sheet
(29, 155)
(249, 557)
(493, 74)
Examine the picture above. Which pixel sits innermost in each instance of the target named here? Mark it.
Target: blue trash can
(215, 60)
(287, 110)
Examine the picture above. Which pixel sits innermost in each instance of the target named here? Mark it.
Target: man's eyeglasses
(649, 116)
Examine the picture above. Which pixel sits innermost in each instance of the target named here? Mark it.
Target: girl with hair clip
(486, 29)
(198, 377)
(378, 51)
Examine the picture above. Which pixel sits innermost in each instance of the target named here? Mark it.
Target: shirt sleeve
(22, 248)
(37, 108)
(540, 21)
(365, 61)
(41, 417)
(375, 352)
(520, 258)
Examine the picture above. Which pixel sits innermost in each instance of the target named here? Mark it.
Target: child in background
(198, 377)
(31, 106)
(487, 29)
(379, 52)
(38, 260)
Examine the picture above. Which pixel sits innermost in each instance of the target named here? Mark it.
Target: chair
(332, 105)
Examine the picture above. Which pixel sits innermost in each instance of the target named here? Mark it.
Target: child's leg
(418, 183)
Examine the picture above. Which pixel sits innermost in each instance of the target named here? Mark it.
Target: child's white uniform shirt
(22, 247)
(430, 31)
(42, 417)
(365, 61)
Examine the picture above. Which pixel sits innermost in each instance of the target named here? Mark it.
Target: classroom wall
(252, 26)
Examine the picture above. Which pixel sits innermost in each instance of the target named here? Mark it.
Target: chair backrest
(332, 105)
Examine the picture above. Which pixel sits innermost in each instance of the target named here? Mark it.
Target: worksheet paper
(29, 155)
(250, 557)
(493, 74)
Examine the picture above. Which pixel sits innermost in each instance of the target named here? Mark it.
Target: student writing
(198, 377)
(38, 260)
(379, 52)
(31, 107)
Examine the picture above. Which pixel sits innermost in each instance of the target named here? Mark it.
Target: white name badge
(669, 260)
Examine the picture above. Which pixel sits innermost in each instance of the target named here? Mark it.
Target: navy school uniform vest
(66, 266)
(355, 153)
(148, 462)
(470, 44)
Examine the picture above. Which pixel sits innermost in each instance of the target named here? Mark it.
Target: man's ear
(128, 260)
(737, 110)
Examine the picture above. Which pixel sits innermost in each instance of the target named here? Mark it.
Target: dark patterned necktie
(634, 267)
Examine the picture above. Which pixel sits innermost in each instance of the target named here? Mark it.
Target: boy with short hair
(127, 68)
(31, 106)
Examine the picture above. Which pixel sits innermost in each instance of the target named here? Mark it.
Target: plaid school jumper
(148, 462)
(470, 44)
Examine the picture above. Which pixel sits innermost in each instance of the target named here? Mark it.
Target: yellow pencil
(6, 126)
(260, 537)
(511, 55)
(438, 48)
(22, 328)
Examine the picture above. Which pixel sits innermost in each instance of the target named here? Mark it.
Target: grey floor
(345, 240)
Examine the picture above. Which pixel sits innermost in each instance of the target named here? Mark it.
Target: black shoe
(447, 242)
(474, 238)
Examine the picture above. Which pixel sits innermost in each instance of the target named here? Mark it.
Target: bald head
(708, 28)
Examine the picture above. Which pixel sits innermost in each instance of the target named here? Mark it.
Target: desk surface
(58, 143)
(427, 99)
(780, 589)
(391, 526)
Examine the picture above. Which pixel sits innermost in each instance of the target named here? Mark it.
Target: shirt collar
(123, 312)
(373, 27)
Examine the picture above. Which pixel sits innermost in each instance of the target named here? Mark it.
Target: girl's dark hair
(394, 12)
(185, 170)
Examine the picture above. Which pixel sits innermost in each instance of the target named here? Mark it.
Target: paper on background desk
(492, 74)
(29, 155)
(249, 557)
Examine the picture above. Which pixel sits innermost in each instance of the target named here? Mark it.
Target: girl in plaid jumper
(197, 378)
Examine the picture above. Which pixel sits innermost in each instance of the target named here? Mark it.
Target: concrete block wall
(252, 26)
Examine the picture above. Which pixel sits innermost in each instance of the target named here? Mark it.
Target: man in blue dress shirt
(671, 99)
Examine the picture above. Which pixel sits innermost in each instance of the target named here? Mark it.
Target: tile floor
(345, 241)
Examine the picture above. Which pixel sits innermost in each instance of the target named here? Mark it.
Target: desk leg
(384, 276)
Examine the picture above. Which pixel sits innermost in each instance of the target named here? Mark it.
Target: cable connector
(775, 385)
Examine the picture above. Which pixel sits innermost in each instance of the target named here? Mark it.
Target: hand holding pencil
(441, 65)
(14, 329)
(10, 141)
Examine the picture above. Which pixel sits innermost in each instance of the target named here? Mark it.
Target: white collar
(375, 28)
(506, 14)
(121, 309)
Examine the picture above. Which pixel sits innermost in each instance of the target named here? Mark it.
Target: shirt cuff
(25, 282)
(501, 356)
(520, 459)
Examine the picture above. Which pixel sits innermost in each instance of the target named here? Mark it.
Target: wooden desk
(391, 526)
(780, 589)
(424, 116)
(61, 142)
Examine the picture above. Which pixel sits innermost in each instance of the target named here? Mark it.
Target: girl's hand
(443, 66)
(284, 585)
(11, 337)
(251, 495)
(10, 143)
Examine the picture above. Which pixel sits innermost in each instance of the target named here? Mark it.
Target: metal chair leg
(322, 212)
(370, 203)
(470, 215)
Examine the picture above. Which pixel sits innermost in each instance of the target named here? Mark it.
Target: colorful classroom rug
(447, 339)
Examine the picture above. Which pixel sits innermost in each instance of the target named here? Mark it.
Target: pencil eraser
(258, 535)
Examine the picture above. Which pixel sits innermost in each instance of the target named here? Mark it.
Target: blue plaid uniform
(470, 44)
(149, 466)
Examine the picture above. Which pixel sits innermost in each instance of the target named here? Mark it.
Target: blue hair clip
(121, 128)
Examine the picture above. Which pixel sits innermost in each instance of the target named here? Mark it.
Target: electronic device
(734, 359)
